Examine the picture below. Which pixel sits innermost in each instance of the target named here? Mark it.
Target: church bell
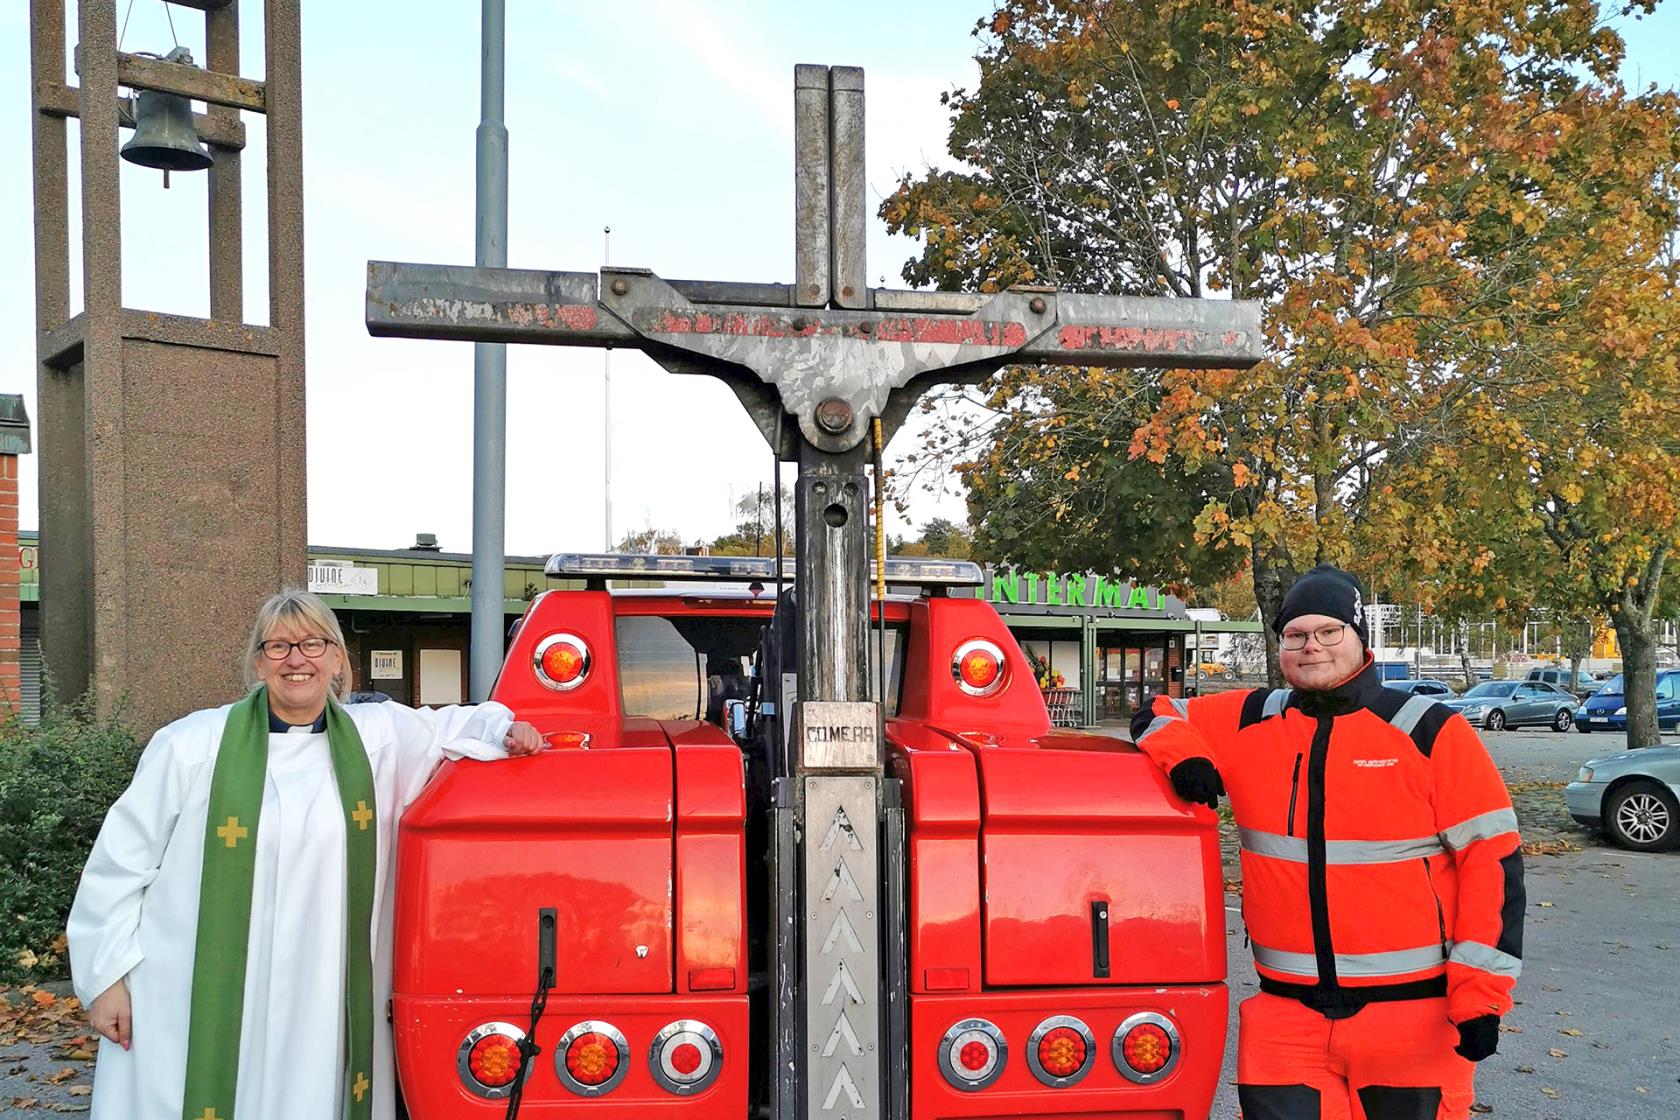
(164, 134)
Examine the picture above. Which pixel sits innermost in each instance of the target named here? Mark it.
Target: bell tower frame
(172, 454)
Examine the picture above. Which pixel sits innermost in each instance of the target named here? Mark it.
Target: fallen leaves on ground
(31, 1014)
(1554, 847)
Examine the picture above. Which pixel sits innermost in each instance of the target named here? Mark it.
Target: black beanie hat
(1329, 591)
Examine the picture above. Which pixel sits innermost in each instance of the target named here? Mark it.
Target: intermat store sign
(1075, 592)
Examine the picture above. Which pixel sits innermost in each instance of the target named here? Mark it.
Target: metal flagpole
(606, 411)
(490, 370)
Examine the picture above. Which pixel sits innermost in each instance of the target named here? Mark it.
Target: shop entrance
(1129, 673)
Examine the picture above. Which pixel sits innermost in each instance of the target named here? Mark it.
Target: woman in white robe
(133, 926)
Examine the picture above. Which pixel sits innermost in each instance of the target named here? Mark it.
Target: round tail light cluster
(972, 1054)
(561, 661)
(978, 667)
(685, 1057)
(489, 1060)
(1146, 1047)
(592, 1058)
(1061, 1051)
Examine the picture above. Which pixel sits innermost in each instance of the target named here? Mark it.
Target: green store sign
(1071, 589)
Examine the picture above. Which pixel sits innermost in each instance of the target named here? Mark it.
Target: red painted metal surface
(1068, 827)
(587, 832)
(637, 840)
(942, 807)
(931, 695)
(711, 889)
(594, 706)
(1154, 340)
(432, 1030)
(1187, 1092)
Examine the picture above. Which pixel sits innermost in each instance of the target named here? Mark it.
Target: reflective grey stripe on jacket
(1155, 725)
(1484, 827)
(1275, 702)
(1399, 962)
(1410, 712)
(1485, 957)
(1294, 848)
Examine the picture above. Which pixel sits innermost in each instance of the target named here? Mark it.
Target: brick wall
(10, 618)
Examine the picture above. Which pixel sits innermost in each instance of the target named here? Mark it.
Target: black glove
(1478, 1038)
(1196, 780)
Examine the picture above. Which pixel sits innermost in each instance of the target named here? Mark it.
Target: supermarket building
(406, 612)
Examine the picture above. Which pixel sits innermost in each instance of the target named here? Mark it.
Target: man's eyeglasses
(1297, 639)
(276, 650)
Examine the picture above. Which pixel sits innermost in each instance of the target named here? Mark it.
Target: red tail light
(561, 661)
(1061, 1051)
(592, 1058)
(489, 1060)
(564, 740)
(685, 1057)
(978, 667)
(972, 1054)
(1146, 1047)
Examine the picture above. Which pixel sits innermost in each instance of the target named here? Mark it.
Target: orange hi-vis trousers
(1390, 1061)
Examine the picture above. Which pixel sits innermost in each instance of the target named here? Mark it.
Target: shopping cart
(1064, 706)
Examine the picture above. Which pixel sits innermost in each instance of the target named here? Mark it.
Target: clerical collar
(278, 726)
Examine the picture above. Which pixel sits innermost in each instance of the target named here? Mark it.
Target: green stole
(224, 909)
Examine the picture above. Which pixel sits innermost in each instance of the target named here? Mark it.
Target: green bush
(56, 782)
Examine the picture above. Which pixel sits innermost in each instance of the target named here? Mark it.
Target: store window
(1130, 673)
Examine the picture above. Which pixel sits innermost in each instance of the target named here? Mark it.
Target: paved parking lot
(1596, 1031)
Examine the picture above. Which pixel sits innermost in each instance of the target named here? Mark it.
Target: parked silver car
(1497, 705)
(1634, 796)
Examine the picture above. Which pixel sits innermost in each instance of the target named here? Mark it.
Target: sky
(671, 122)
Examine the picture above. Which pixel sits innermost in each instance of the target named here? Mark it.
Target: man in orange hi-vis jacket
(1382, 876)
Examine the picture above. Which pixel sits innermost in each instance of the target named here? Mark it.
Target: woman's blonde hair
(303, 611)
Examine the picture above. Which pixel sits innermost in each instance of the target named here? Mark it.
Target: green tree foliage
(1394, 181)
(940, 537)
(1561, 485)
(56, 782)
(755, 528)
(651, 541)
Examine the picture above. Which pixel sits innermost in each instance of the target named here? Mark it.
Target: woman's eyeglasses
(1297, 639)
(276, 650)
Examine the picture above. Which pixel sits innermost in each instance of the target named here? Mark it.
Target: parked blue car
(1606, 709)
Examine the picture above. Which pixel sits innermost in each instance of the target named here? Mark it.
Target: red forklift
(810, 850)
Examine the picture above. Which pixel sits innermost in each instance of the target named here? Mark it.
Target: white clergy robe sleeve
(104, 925)
(426, 736)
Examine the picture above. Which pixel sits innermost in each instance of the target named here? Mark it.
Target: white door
(440, 676)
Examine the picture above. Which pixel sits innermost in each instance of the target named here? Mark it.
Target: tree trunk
(1464, 657)
(1272, 576)
(1636, 632)
(1638, 639)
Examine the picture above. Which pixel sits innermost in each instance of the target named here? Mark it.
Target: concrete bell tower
(172, 465)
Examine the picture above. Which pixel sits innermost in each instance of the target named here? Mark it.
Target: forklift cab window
(689, 668)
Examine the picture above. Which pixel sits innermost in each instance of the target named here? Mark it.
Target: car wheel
(1564, 720)
(1581, 726)
(1495, 720)
(1642, 816)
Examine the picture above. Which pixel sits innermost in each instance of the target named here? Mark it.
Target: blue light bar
(745, 569)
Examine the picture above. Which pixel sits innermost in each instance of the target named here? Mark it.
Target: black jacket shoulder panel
(1254, 707)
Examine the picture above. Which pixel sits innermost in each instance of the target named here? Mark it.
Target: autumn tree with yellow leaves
(1395, 182)
(1561, 482)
